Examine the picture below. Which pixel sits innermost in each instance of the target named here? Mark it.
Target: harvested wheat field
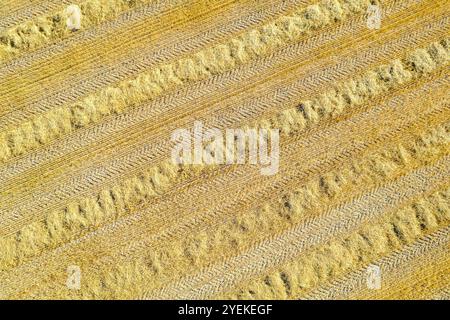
(223, 149)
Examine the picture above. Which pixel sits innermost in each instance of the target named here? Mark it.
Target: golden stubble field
(93, 206)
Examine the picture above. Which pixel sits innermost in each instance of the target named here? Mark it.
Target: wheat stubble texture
(87, 179)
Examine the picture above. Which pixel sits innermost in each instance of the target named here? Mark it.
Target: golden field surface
(87, 178)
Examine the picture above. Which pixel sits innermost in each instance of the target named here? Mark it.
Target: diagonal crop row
(359, 90)
(92, 211)
(234, 235)
(148, 85)
(45, 29)
(371, 242)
